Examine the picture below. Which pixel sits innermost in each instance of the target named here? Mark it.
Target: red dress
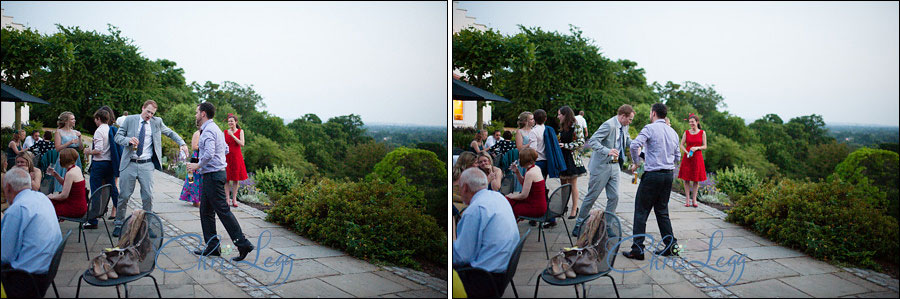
(535, 205)
(692, 169)
(235, 170)
(75, 205)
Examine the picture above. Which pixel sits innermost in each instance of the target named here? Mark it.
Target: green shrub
(461, 137)
(823, 219)
(737, 181)
(372, 220)
(421, 169)
(261, 152)
(875, 173)
(361, 159)
(277, 180)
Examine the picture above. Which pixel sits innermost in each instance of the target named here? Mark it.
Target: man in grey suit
(609, 141)
(140, 137)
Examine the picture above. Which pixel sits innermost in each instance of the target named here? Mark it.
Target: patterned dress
(571, 150)
(191, 192)
(65, 137)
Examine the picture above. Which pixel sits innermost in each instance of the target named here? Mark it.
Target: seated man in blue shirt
(486, 235)
(30, 234)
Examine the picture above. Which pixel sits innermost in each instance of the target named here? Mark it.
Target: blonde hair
(523, 119)
(29, 160)
(463, 162)
(63, 119)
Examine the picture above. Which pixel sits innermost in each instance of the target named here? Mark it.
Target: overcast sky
(835, 59)
(386, 61)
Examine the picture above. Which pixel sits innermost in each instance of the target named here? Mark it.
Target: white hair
(474, 178)
(18, 179)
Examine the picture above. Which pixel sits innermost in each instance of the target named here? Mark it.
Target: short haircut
(150, 102)
(474, 178)
(102, 115)
(112, 115)
(67, 157)
(34, 131)
(540, 116)
(495, 131)
(527, 156)
(660, 109)
(48, 135)
(507, 135)
(625, 110)
(209, 108)
(20, 180)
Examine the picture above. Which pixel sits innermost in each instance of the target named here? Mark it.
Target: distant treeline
(868, 136)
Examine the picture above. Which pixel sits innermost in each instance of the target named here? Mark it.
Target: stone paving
(315, 270)
(769, 270)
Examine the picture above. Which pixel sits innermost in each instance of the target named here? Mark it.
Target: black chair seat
(570, 281)
(90, 279)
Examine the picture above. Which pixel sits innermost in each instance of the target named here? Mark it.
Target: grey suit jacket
(604, 140)
(131, 127)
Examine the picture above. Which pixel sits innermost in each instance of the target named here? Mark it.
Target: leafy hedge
(372, 219)
(277, 180)
(828, 220)
(875, 172)
(421, 169)
(737, 181)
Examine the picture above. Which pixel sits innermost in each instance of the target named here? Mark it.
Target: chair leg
(160, 294)
(78, 290)
(118, 295)
(80, 231)
(546, 251)
(567, 232)
(614, 285)
(86, 254)
(537, 285)
(125, 286)
(107, 231)
(53, 283)
(540, 229)
(511, 283)
(576, 291)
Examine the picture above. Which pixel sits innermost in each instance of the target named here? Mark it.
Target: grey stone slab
(659, 292)
(698, 257)
(87, 291)
(347, 264)
(636, 278)
(878, 295)
(768, 252)
(772, 288)
(200, 292)
(167, 291)
(429, 293)
(364, 284)
(309, 251)
(861, 282)
(224, 289)
(664, 276)
(683, 290)
(300, 270)
(406, 282)
(752, 271)
(181, 216)
(807, 265)
(824, 285)
(545, 291)
(727, 232)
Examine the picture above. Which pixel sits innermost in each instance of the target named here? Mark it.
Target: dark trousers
(481, 284)
(653, 193)
(102, 173)
(212, 203)
(18, 284)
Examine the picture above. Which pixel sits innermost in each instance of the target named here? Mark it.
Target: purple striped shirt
(212, 148)
(660, 144)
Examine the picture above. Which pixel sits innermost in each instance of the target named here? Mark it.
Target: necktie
(141, 140)
(621, 146)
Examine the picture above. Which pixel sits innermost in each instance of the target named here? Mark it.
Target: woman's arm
(704, 141)
(495, 183)
(14, 146)
(67, 187)
(683, 136)
(36, 180)
(57, 141)
(474, 145)
(195, 141)
(241, 141)
(52, 172)
(519, 144)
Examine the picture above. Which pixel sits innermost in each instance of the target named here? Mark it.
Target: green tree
(419, 168)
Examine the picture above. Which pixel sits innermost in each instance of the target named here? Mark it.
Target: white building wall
(8, 109)
(460, 22)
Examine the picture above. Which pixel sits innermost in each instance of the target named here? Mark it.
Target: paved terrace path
(770, 270)
(318, 271)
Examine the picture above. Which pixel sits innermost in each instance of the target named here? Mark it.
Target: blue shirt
(486, 234)
(212, 148)
(30, 233)
(660, 144)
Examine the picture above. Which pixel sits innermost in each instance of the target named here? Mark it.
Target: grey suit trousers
(134, 172)
(606, 177)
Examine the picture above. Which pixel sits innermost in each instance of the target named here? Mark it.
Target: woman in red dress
(235, 170)
(692, 170)
(532, 200)
(71, 201)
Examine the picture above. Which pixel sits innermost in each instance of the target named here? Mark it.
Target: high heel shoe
(556, 267)
(576, 214)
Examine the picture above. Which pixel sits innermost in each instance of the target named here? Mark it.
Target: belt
(663, 171)
(611, 162)
(140, 161)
